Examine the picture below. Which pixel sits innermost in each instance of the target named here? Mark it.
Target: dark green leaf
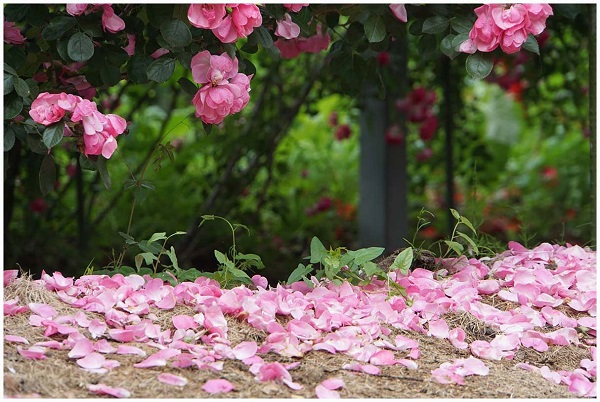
(461, 24)
(15, 12)
(47, 174)
(86, 163)
(9, 81)
(13, 104)
(35, 144)
(22, 88)
(53, 134)
(176, 33)
(57, 27)
(161, 70)
(38, 14)
(9, 137)
(34, 90)
(436, 24)
(479, 65)
(568, 10)
(427, 46)
(447, 48)
(152, 248)
(367, 254)
(148, 185)
(62, 49)
(103, 170)
(317, 250)
(128, 239)
(188, 86)
(80, 47)
(166, 276)
(470, 241)
(531, 44)
(375, 28)
(140, 194)
(458, 40)
(157, 13)
(263, 37)
(15, 57)
(185, 59)
(249, 48)
(110, 74)
(9, 69)
(207, 127)
(125, 270)
(416, 28)
(332, 19)
(137, 67)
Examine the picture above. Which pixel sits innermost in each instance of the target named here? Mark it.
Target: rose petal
(130, 350)
(333, 383)
(93, 360)
(383, 357)
(323, 392)
(102, 389)
(172, 379)
(184, 322)
(245, 350)
(81, 349)
(365, 368)
(154, 360)
(217, 386)
(43, 310)
(16, 339)
(34, 352)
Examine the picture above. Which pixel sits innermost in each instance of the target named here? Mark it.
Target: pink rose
(286, 28)
(294, 8)
(102, 141)
(485, 34)
(240, 86)
(538, 13)
(315, 43)
(76, 9)
(207, 16)
(207, 68)
(130, 48)
(399, 11)
(245, 18)
(159, 52)
(45, 109)
(213, 104)
(12, 34)
(87, 112)
(226, 32)
(110, 21)
(288, 48)
(114, 125)
(512, 41)
(513, 17)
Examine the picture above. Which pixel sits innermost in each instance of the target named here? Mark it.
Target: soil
(59, 377)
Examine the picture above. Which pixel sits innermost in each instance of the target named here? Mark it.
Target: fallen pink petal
(323, 392)
(92, 360)
(218, 386)
(102, 389)
(172, 379)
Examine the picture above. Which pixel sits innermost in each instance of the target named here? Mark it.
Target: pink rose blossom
(207, 16)
(110, 21)
(213, 69)
(286, 28)
(130, 48)
(245, 18)
(399, 11)
(12, 34)
(288, 48)
(538, 13)
(226, 32)
(294, 8)
(45, 109)
(76, 9)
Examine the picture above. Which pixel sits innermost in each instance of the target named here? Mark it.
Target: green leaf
(140, 194)
(152, 248)
(80, 47)
(370, 269)
(427, 46)
(139, 259)
(47, 174)
(332, 265)
(173, 257)
(263, 37)
(456, 246)
(13, 104)
(129, 183)
(9, 81)
(238, 273)
(125, 270)
(137, 67)
(375, 28)
(103, 170)
(166, 277)
(461, 24)
(110, 74)
(568, 10)
(15, 12)
(158, 12)
(53, 134)
(332, 19)
(189, 275)
(416, 27)
(222, 258)
(455, 213)
(436, 24)
(57, 27)
(458, 40)
(188, 86)
(128, 239)
(161, 70)
(148, 257)
(446, 46)
(9, 137)
(468, 223)
(300, 272)
(367, 254)
(531, 44)
(470, 241)
(35, 144)
(254, 259)
(86, 163)
(176, 33)
(148, 185)
(207, 127)
(403, 261)
(317, 250)
(145, 271)
(157, 236)
(479, 65)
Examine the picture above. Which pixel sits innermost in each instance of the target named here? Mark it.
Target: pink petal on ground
(325, 393)
(245, 350)
(272, 371)
(526, 366)
(93, 360)
(550, 375)
(50, 344)
(121, 335)
(488, 286)
(438, 329)
(97, 328)
(34, 352)
(506, 342)
(409, 364)
(484, 350)
(103, 346)
(447, 376)
(43, 310)
(292, 385)
(10, 275)
(260, 281)
(167, 302)
(184, 322)
(111, 364)
(383, 357)
(530, 340)
(81, 349)
(474, 366)
(130, 350)
(302, 330)
(563, 336)
(217, 386)
(333, 383)
(365, 368)
(581, 386)
(172, 379)
(11, 307)
(154, 360)
(456, 337)
(102, 389)
(16, 339)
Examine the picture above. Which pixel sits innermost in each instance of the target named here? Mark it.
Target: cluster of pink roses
(12, 34)
(99, 130)
(110, 21)
(506, 26)
(227, 22)
(224, 90)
